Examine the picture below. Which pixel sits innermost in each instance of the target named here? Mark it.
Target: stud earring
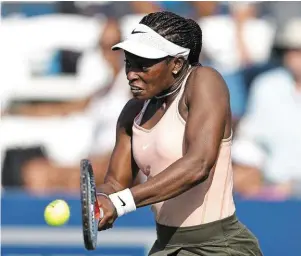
(175, 72)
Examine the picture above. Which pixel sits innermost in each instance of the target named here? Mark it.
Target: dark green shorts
(220, 238)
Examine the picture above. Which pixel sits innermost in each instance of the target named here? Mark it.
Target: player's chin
(142, 95)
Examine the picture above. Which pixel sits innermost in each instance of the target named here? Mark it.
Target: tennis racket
(91, 212)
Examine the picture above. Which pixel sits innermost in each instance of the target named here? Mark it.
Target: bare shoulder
(206, 81)
(128, 114)
(207, 96)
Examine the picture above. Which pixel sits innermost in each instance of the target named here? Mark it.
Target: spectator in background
(99, 66)
(45, 130)
(88, 74)
(276, 13)
(266, 150)
(94, 118)
(232, 45)
(280, 12)
(110, 9)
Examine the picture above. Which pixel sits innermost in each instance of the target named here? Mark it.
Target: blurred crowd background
(62, 88)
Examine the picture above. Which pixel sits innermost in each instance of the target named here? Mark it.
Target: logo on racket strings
(92, 211)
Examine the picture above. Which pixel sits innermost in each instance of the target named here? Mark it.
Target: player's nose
(131, 75)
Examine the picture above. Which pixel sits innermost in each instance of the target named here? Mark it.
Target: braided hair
(178, 30)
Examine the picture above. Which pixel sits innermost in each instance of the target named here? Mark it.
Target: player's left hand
(109, 212)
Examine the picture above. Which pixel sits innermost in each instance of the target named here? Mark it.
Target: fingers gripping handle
(99, 213)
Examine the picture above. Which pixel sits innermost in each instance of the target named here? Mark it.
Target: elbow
(200, 176)
(200, 171)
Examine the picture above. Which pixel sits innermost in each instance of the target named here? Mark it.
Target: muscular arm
(122, 168)
(208, 113)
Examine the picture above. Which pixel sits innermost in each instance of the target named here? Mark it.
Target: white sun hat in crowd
(290, 36)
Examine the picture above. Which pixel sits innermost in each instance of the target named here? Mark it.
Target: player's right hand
(109, 212)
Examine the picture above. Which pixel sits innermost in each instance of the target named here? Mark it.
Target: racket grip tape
(101, 213)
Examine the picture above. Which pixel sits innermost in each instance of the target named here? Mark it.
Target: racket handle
(101, 213)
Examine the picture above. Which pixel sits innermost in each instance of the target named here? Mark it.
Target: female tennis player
(177, 131)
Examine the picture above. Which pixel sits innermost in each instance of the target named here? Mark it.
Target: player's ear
(178, 63)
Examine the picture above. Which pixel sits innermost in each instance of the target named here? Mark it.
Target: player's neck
(169, 94)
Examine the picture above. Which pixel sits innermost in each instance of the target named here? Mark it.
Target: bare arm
(208, 118)
(122, 168)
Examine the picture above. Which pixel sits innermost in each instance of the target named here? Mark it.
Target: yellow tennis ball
(57, 213)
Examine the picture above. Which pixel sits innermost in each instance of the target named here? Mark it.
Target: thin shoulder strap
(184, 82)
(141, 114)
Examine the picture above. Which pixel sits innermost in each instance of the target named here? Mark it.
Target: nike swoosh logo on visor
(137, 32)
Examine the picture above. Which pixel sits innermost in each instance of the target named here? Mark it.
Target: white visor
(146, 43)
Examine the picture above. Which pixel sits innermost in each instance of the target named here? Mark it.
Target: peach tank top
(155, 149)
